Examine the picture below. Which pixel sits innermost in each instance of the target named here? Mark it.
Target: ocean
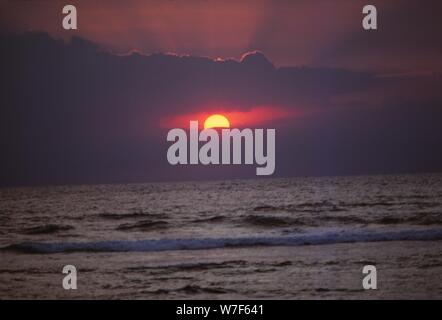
(291, 238)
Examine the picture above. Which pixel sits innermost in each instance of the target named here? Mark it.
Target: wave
(144, 225)
(421, 219)
(191, 289)
(133, 215)
(327, 206)
(269, 221)
(198, 266)
(210, 219)
(46, 229)
(312, 207)
(312, 238)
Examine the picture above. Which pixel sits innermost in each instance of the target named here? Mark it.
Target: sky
(94, 105)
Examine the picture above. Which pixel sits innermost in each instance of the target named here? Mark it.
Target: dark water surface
(270, 238)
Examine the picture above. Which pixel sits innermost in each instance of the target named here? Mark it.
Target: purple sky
(94, 105)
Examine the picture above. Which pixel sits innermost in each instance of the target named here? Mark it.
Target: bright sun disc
(216, 121)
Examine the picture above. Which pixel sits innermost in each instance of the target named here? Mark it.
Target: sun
(216, 121)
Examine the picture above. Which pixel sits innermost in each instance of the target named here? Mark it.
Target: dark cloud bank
(74, 113)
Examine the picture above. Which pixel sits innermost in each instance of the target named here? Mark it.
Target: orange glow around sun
(249, 118)
(216, 121)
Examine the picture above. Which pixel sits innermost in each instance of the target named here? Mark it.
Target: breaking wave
(313, 238)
